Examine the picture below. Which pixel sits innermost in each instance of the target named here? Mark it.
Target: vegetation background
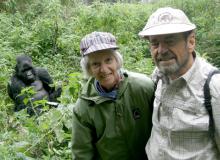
(50, 32)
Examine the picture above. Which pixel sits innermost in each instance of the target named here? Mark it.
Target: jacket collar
(89, 91)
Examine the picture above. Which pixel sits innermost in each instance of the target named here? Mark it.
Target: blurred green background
(50, 32)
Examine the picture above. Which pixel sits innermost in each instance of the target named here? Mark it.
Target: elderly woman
(112, 116)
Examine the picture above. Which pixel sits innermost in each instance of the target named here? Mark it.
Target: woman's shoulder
(81, 106)
(139, 81)
(139, 77)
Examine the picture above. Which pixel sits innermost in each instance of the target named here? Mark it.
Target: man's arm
(215, 93)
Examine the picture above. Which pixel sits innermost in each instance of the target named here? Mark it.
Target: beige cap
(167, 21)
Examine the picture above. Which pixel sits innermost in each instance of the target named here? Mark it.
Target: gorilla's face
(25, 71)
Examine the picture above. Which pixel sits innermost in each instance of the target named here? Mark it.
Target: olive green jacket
(109, 129)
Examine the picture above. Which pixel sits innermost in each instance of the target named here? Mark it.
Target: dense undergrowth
(50, 32)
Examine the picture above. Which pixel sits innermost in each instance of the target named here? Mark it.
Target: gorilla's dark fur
(26, 75)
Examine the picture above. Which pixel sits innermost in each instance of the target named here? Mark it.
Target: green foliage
(47, 135)
(50, 32)
(72, 90)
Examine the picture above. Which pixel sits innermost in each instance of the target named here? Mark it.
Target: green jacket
(106, 129)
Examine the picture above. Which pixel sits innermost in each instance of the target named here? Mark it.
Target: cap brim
(166, 29)
(99, 47)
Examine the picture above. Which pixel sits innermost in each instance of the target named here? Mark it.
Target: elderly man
(181, 128)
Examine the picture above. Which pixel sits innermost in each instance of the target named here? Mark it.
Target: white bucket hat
(167, 21)
(97, 41)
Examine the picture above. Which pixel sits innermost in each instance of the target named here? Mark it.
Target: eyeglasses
(168, 40)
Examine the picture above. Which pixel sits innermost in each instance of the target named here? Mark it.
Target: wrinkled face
(172, 53)
(103, 66)
(25, 71)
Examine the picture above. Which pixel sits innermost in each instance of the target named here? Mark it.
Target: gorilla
(26, 75)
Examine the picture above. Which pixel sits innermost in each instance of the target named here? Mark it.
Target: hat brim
(166, 29)
(99, 47)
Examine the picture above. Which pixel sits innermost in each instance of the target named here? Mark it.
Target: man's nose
(162, 48)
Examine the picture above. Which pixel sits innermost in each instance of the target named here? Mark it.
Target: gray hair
(85, 62)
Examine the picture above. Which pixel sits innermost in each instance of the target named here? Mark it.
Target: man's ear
(191, 42)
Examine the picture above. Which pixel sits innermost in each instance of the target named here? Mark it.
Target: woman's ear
(191, 42)
(89, 71)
